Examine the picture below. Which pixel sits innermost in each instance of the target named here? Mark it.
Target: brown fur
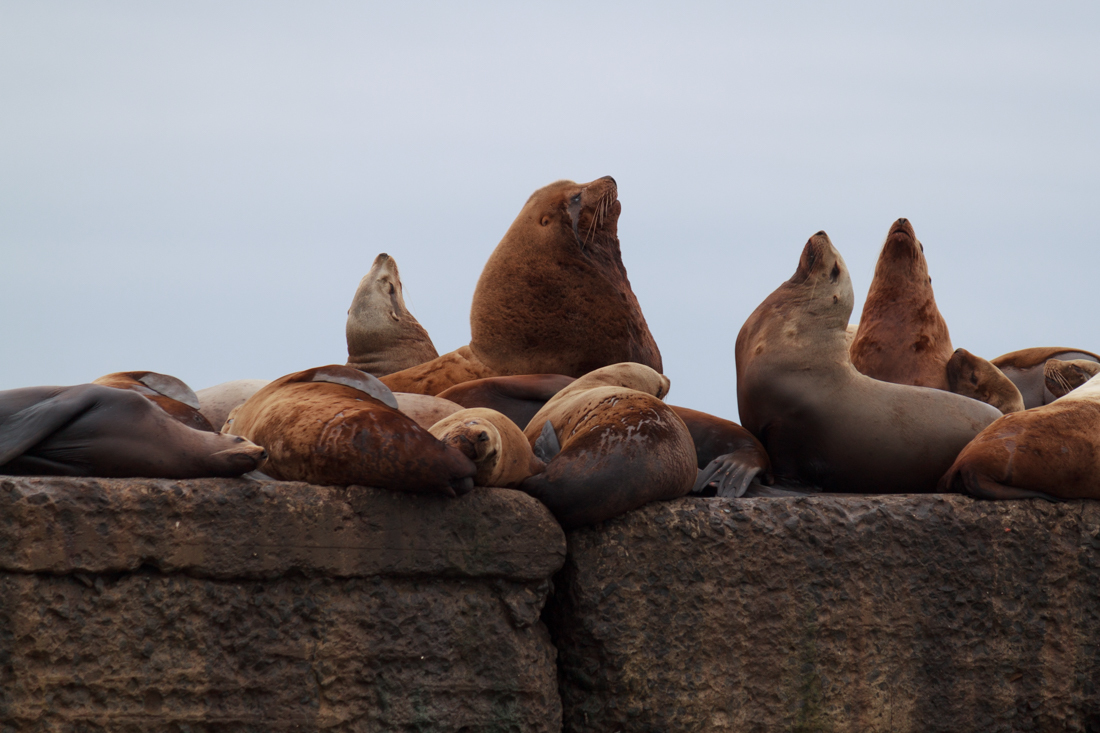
(331, 433)
(383, 336)
(517, 397)
(175, 405)
(492, 441)
(902, 338)
(1025, 369)
(1062, 377)
(976, 378)
(553, 298)
(425, 409)
(621, 447)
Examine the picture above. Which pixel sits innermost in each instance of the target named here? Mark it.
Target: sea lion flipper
(349, 377)
(546, 445)
(171, 387)
(31, 425)
(730, 474)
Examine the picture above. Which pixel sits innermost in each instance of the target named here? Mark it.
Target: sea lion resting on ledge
(553, 298)
(167, 392)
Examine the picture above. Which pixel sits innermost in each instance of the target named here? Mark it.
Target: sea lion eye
(392, 289)
(576, 199)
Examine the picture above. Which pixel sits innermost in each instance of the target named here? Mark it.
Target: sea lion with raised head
(165, 391)
(335, 425)
(553, 298)
(902, 338)
(1025, 369)
(383, 336)
(974, 377)
(96, 430)
(821, 421)
(611, 445)
(1062, 377)
(492, 441)
(1046, 452)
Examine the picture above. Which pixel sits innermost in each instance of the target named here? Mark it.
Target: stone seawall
(145, 605)
(833, 613)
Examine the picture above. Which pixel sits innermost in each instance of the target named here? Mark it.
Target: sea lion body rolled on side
(1025, 369)
(519, 397)
(96, 430)
(167, 392)
(553, 298)
(336, 425)
(383, 336)
(1050, 452)
(821, 421)
(902, 338)
(974, 377)
(618, 446)
(492, 441)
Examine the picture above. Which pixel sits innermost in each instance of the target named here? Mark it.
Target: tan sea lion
(96, 430)
(424, 409)
(553, 298)
(215, 403)
(902, 338)
(976, 378)
(1025, 369)
(611, 445)
(1047, 452)
(492, 441)
(336, 425)
(1062, 377)
(167, 392)
(821, 421)
(383, 336)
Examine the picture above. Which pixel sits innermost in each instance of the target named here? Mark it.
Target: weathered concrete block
(142, 605)
(833, 613)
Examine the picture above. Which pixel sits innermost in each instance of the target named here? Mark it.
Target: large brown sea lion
(383, 336)
(492, 441)
(1050, 451)
(902, 338)
(338, 426)
(612, 446)
(553, 298)
(1025, 369)
(821, 421)
(95, 430)
(974, 377)
(165, 391)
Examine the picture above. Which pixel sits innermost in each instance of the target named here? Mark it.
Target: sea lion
(1047, 452)
(518, 397)
(976, 378)
(728, 456)
(553, 298)
(95, 430)
(492, 441)
(424, 409)
(821, 421)
(611, 445)
(383, 336)
(1062, 377)
(1025, 369)
(902, 338)
(335, 425)
(215, 403)
(167, 392)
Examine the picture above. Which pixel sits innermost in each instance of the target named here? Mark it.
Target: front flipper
(546, 445)
(368, 384)
(730, 474)
(31, 425)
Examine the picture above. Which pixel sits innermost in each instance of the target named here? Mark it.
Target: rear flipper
(31, 425)
(546, 445)
(981, 486)
(730, 475)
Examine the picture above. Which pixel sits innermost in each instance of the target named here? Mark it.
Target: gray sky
(197, 188)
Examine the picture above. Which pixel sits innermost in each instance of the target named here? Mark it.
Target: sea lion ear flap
(171, 387)
(546, 445)
(365, 383)
(33, 424)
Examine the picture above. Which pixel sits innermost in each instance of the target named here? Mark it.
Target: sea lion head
(902, 252)
(975, 377)
(587, 211)
(235, 455)
(1062, 377)
(493, 442)
(821, 287)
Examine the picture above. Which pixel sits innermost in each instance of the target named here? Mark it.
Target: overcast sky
(197, 188)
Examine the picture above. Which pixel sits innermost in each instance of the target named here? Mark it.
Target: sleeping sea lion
(821, 421)
(553, 298)
(976, 378)
(1025, 369)
(336, 425)
(611, 445)
(95, 430)
(492, 441)
(383, 336)
(902, 338)
(166, 392)
(1062, 377)
(1047, 452)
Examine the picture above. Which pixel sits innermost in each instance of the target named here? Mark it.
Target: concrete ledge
(140, 605)
(833, 613)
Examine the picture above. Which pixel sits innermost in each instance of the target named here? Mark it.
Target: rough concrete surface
(143, 605)
(832, 613)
